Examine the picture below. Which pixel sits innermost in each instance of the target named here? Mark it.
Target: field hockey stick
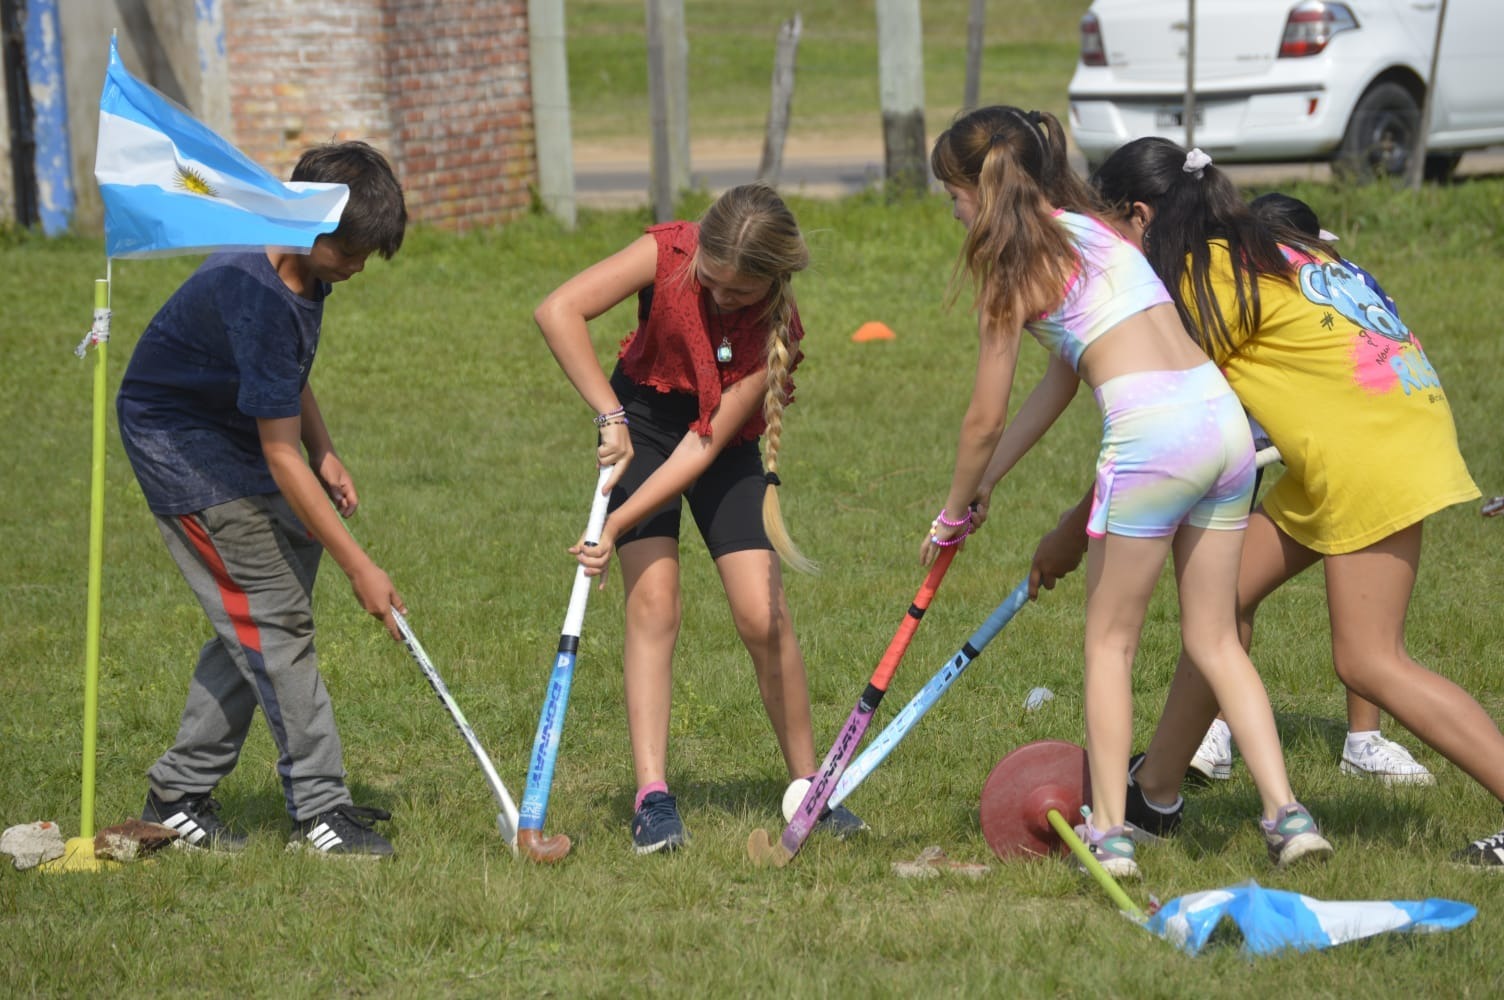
(540, 772)
(506, 820)
(759, 846)
(922, 702)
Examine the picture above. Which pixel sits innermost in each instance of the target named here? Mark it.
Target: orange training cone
(872, 331)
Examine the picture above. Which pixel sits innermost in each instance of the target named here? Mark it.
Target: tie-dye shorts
(1175, 450)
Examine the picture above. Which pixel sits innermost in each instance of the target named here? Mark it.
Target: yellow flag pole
(79, 852)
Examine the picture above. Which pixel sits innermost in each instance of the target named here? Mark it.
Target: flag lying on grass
(170, 185)
(1271, 920)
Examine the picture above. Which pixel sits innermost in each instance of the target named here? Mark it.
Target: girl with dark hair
(1342, 387)
(704, 376)
(1175, 472)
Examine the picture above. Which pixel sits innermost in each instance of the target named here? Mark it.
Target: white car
(1285, 80)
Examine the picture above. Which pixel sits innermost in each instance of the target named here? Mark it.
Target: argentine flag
(170, 185)
(1271, 920)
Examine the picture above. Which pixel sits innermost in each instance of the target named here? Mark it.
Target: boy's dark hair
(1293, 223)
(375, 217)
(1285, 209)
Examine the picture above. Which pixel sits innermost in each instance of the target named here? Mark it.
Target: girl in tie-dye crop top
(1112, 282)
(1176, 463)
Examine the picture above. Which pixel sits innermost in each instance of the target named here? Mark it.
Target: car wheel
(1380, 134)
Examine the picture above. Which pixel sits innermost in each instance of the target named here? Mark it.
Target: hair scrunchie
(1035, 118)
(771, 478)
(1196, 163)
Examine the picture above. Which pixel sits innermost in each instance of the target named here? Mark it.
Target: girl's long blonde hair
(750, 230)
(1019, 260)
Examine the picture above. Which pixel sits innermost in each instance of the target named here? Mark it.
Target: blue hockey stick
(922, 702)
(540, 772)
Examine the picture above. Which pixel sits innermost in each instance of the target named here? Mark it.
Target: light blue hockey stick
(922, 702)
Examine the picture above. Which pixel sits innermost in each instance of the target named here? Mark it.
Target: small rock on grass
(32, 844)
(132, 839)
(932, 861)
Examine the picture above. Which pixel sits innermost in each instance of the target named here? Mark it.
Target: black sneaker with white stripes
(343, 832)
(196, 819)
(1486, 854)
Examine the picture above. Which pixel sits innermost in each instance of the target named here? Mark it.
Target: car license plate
(1173, 116)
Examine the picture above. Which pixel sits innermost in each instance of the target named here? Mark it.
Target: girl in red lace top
(704, 376)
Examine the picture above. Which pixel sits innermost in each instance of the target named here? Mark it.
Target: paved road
(620, 183)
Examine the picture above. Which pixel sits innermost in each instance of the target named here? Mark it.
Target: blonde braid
(773, 403)
(752, 231)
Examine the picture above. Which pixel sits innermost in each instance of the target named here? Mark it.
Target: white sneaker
(1375, 757)
(1213, 760)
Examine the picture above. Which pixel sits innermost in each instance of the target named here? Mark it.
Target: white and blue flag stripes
(171, 185)
(1271, 920)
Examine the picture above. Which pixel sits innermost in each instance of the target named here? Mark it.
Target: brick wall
(441, 86)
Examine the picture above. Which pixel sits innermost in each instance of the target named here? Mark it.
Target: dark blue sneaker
(343, 832)
(1143, 816)
(196, 819)
(840, 823)
(657, 826)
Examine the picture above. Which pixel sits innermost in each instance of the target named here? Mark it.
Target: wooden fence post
(783, 95)
(900, 62)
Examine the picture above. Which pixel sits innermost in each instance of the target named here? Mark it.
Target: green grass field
(474, 460)
(1029, 51)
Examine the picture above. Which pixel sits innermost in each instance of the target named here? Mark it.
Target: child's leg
(1269, 558)
(1362, 714)
(1206, 572)
(216, 717)
(1121, 573)
(650, 576)
(252, 565)
(1368, 593)
(754, 587)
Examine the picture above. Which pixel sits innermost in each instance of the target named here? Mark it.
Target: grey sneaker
(343, 832)
(1292, 836)
(1384, 760)
(840, 823)
(657, 826)
(1112, 848)
(196, 819)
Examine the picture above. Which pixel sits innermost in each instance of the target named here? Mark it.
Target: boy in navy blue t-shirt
(226, 439)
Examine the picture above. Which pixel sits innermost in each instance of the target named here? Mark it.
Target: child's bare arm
(563, 318)
(326, 465)
(691, 458)
(281, 443)
(1038, 414)
(982, 426)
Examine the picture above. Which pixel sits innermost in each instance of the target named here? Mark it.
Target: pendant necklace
(723, 352)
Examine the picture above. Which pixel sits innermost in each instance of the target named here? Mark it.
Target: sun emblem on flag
(193, 182)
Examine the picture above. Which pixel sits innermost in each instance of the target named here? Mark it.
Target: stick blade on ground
(533, 845)
(765, 851)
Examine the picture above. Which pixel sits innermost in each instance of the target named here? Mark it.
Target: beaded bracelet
(601, 420)
(953, 524)
(620, 421)
(946, 543)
